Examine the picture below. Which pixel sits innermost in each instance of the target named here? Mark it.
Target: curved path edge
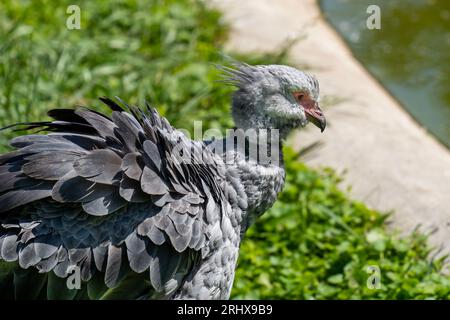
(391, 162)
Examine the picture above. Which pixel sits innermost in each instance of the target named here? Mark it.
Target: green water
(409, 55)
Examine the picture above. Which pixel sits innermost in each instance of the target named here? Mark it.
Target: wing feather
(108, 195)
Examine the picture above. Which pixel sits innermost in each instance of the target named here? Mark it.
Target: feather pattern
(106, 195)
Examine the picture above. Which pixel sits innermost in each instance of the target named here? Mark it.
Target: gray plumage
(112, 195)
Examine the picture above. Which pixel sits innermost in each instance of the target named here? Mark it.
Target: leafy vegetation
(155, 50)
(315, 243)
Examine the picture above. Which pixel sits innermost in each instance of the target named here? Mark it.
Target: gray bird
(135, 208)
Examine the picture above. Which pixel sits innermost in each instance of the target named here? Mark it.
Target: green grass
(315, 243)
(155, 50)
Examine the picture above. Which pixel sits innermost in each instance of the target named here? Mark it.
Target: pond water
(409, 55)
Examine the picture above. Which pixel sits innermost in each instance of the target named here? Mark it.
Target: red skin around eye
(304, 100)
(299, 96)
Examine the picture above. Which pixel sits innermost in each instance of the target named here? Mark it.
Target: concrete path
(392, 163)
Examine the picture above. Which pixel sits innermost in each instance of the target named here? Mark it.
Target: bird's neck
(257, 164)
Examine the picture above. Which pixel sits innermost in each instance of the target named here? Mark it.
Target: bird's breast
(261, 185)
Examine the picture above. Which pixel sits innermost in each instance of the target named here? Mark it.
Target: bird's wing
(103, 193)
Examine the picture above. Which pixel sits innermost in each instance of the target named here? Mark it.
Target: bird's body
(250, 189)
(114, 198)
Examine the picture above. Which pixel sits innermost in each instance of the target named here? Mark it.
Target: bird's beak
(315, 115)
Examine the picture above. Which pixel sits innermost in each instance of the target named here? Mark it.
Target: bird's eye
(299, 96)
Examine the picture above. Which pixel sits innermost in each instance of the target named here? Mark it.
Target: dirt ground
(391, 162)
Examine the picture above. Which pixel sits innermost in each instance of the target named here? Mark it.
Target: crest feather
(238, 74)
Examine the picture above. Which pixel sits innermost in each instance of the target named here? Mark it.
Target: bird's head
(274, 96)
